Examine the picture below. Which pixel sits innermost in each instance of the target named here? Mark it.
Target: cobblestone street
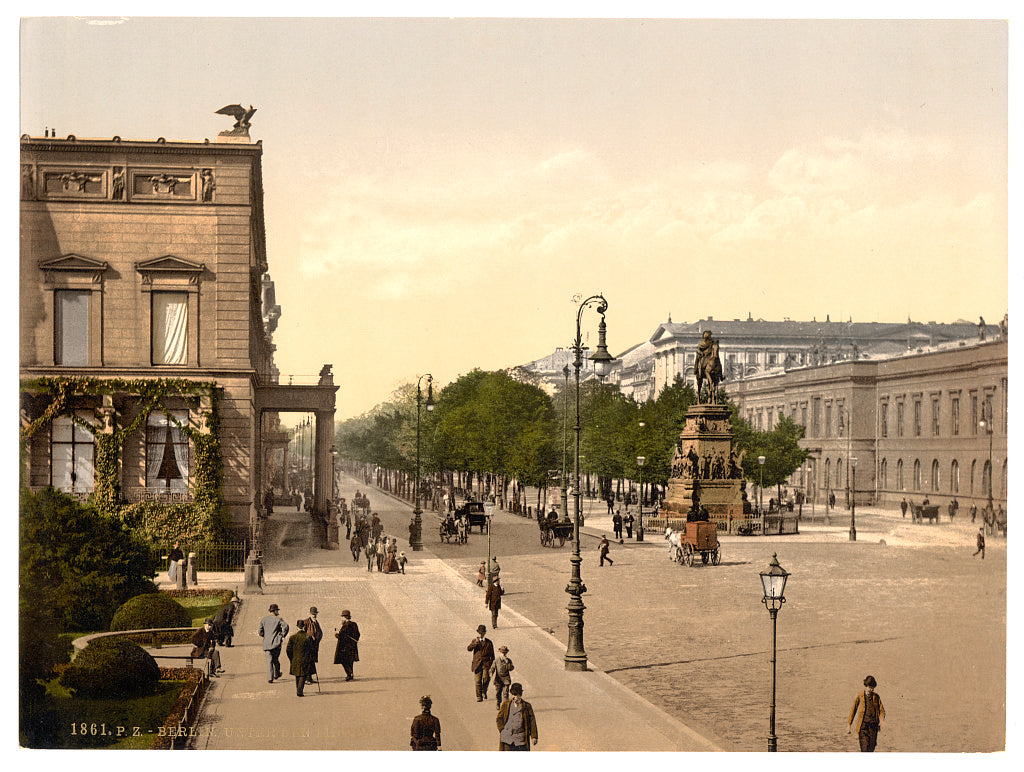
(928, 622)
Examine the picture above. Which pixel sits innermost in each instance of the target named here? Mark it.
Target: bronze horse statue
(708, 367)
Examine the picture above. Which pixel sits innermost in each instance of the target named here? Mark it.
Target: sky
(438, 191)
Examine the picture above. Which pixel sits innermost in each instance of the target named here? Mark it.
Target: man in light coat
(501, 675)
(273, 630)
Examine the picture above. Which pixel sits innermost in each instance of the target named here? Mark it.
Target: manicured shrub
(112, 667)
(154, 609)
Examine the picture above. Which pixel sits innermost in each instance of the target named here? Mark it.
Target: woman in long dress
(391, 561)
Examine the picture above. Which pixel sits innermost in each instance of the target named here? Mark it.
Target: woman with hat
(426, 729)
(347, 650)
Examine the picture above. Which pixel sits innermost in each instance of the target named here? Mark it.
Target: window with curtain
(71, 327)
(72, 456)
(170, 328)
(167, 455)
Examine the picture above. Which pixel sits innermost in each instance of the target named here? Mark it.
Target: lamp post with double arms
(640, 461)
(575, 654)
(416, 542)
(760, 487)
(773, 582)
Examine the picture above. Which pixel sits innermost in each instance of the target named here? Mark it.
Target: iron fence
(211, 556)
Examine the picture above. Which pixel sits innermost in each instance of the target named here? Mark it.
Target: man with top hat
(273, 630)
(426, 729)
(347, 650)
(316, 634)
(483, 658)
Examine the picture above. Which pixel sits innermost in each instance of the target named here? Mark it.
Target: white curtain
(170, 328)
(156, 444)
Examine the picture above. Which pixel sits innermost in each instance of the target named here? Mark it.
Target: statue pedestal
(704, 461)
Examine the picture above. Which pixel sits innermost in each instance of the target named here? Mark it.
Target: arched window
(899, 475)
(917, 474)
(935, 475)
(954, 476)
(986, 480)
(828, 472)
(974, 465)
(839, 473)
(1002, 486)
(883, 474)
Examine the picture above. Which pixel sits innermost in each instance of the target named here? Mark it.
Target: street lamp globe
(773, 582)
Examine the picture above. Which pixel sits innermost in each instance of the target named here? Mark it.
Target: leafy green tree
(780, 448)
(78, 564)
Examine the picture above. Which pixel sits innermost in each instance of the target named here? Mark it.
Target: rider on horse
(707, 366)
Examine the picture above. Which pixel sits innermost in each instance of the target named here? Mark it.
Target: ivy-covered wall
(205, 517)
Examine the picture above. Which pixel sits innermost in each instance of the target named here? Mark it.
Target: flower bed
(186, 706)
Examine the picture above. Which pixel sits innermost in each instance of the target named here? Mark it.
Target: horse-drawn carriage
(699, 538)
(474, 514)
(454, 530)
(553, 530)
(921, 512)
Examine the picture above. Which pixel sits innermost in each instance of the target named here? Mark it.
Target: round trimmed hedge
(112, 667)
(152, 610)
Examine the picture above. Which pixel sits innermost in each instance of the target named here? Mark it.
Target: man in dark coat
(204, 646)
(492, 599)
(316, 634)
(347, 650)
(483, 658)
(300, 654)
(426, 729)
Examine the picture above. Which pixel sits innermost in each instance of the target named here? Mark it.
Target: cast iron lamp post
(575, 654)
(853, 499)
(986, 426)
(773, 582)
(760, 487)
(565, 415)
(417, 537)
(640, 461)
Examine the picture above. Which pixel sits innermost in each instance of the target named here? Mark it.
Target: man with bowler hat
(868, 712)
(300, 654)
(516, 723)
(316, 634)
(347, 650)
(274, 630)
(483, 658)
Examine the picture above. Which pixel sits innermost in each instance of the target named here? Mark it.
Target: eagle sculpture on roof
(239, 113)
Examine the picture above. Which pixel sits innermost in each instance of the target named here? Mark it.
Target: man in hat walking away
(483, 658)
(316, 634)
(980, 543)
(426, 729)
(274, 630)
(516, 723)
(347, 650)
(300, 654)
(223, 622)
(868, 711)
(501, 674)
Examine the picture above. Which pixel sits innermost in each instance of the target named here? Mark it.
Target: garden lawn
(201, 607)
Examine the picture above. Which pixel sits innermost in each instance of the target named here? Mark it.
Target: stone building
(146, 320)
(911, 421)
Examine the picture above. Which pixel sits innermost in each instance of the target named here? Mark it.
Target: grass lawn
(87, 722)
(201, 607)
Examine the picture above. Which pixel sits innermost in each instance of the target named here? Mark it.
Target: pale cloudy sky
(437, 190)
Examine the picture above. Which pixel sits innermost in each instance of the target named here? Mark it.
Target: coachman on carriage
(554, 530)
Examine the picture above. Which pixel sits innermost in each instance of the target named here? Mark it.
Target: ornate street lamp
(565, 414)
(760, 487)
(986, 426)
(575, 654)
(773, 582)
(416, 542)
(640, 461)
(853, 499)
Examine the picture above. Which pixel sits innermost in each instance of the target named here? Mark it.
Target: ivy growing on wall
(205, 516)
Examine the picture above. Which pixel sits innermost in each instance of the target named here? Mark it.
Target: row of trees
(503, 423)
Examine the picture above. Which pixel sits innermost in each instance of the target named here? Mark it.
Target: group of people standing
(303, 647)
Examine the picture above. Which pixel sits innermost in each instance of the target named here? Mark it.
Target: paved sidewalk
(415, 628)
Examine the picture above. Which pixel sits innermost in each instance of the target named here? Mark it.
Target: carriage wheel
(678, 557)
(716, 556)
(561, 540)
(688, 555)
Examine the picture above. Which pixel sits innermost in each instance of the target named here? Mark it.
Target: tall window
(816, 417)
(917, 474)
(828, 420)
(883, 473)
(899, 475)
(71, 327)
(954, 415)
(974, 414)
(883, 421)
(170, 328)
(917, 418)
(899, 419)
(935, 417)
(935, 475)
(72, 456)
(167, 457)
(954, 477)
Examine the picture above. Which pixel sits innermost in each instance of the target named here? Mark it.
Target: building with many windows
(929, 423)
(146, 321)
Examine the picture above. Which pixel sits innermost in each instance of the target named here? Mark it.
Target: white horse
(674, 542)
